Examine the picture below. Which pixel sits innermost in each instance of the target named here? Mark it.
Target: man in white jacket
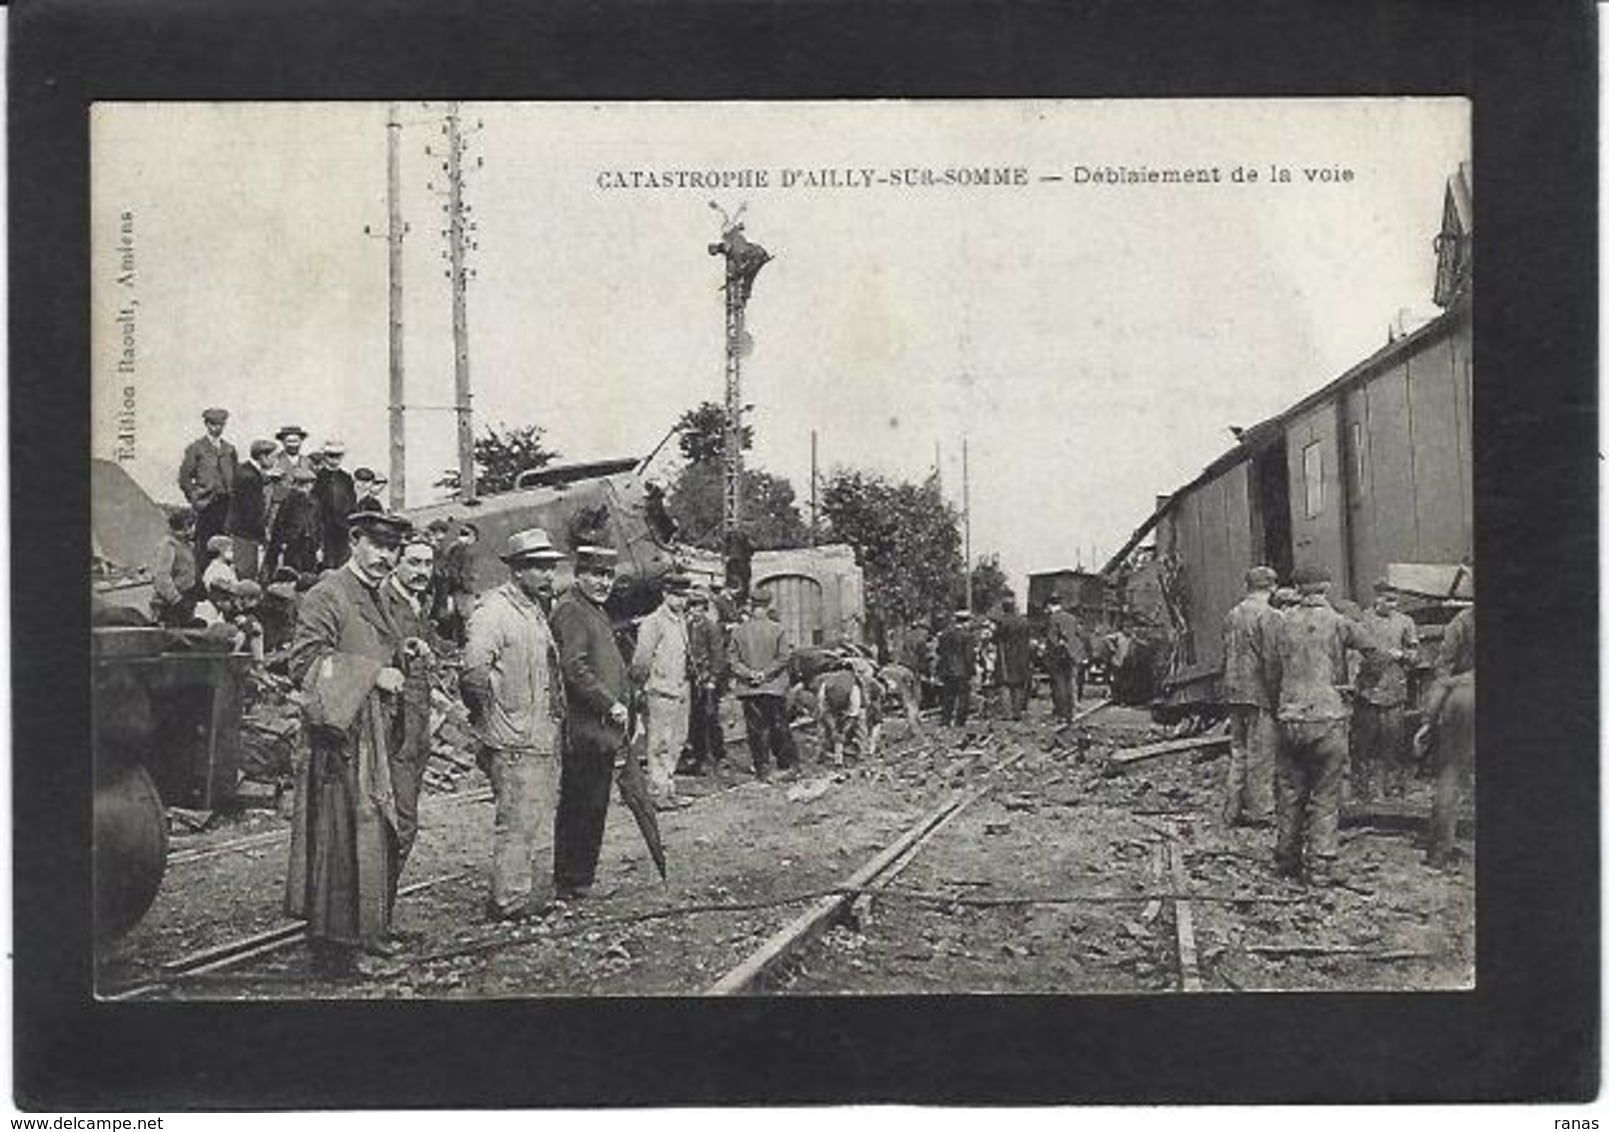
(510, 684)
(659, 668)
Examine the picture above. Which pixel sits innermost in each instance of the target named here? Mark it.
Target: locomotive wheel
(130, 850)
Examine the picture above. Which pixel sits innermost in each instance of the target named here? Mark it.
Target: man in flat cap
(955, 665)
(288, 459)
(345, 656)
(1251, 635)
(368, 486)
(206, 476)
(336, 497)
(296, 538)
(758, 656)
(706, 665)
(659, 666)
(1379, 751)
(1066, 650)
(173, 572)
(1309, 669)
(513, 688)
(247, 522)
(597, 694)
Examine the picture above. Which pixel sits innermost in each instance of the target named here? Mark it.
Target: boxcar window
(1313, 477)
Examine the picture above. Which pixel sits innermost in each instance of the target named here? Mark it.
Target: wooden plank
(1184, 924)
(1212, 738)
(1388, 814)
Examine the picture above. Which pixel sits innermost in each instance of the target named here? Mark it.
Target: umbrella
(634, 789)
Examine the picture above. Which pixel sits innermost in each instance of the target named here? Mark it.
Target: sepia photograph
(809, 548)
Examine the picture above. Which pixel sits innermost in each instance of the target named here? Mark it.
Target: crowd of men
(1318, 698)
(297, 558)
(257, 533)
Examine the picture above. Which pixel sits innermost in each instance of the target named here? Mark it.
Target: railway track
(766, 964)
(756, 971)
(237, 952)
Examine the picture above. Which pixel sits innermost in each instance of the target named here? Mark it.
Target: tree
(989, 583)
(702, 433)
(908, 540)
(770, 511)
(501, 455)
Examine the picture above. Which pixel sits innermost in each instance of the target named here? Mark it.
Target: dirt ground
(1060, 879)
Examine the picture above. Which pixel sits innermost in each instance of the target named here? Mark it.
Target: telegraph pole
(743, 262)
(812, 489)
(455, 253)
(394, 233)
(966, 520)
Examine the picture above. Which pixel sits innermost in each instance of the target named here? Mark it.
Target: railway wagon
(1373, 470)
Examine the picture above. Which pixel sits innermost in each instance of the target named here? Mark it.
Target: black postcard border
(1531, 1029)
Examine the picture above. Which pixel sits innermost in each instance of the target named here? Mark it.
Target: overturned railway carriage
(1371, 471)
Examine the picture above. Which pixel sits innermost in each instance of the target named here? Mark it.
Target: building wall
(1409, 461)
(1209, 531)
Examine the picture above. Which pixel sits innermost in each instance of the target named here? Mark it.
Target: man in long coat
(1012, 641)
(207, 476)
(596, 713)
(344, 658)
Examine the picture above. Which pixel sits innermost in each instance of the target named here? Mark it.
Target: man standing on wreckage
(343, 835)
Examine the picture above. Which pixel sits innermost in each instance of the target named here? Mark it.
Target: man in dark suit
(207, 476)
(296, 538)
(956, 660)
(247, 522)
(1012, 641)
(337, 497)
(596, 697)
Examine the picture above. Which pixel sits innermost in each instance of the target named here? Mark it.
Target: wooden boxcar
(1373, 469)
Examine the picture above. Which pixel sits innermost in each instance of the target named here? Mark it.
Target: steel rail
(237, 951)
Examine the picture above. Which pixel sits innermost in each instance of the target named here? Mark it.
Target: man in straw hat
(597, 694)
(511, 684)
(344, 656)
(287, 460)
(206, 476)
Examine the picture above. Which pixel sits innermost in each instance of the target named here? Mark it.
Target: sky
(1091, 343)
